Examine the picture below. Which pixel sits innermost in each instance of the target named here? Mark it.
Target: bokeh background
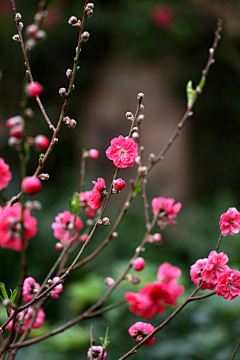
(154, 47)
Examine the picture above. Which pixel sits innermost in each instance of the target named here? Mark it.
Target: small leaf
(41, 156)
(13, 294)
(74, 204)
(190, 93)
(137, 189)
(104, 341)
(3, 290)
(202, 82)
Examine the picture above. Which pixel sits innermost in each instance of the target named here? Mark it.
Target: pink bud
(119, 184)
(14, 121)
(94, 153)
(34, 89)
(58, 246)
(16, 131)
(31, 185)
(31, 30)
(72, 20)
(41, 142)
(162, 16)
(139, 264)
(157, 238)
(84, 237)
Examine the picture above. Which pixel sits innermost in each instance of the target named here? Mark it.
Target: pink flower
(162, 16)
(85, 204)
(139, 264)
(168, 210)
(228, 284)
(196, 273)
(97, 353)
(25, 321)
(123, 152)
(98, 194)
(30, 288)
(140, 330)
(10, 227)
(66, 227)
(141, 304)
(5, 174)
(59, 288)
(31, 185)
(214, 267)
(119, 184)
(230, 222)
(168, 272)
(34, 89)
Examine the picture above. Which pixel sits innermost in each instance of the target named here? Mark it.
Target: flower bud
(40, 35)
(20, 25)
(84, 237)
(14, 142)
(135, 135)
(139, 264)
(16, 131)
(93, 153)
(18, 17)
(31, 30)
(69, 73)
(63, 92)
(133, 279)
(151, 157)
(34, 89)
(16, 38)
(30, 43)
(71, 123)
(43, 177)
(85, 36)
(31, 185)
(140, 96)
(140, 118)
(72, 20)
(41, 142)
(114, 235)
(105, 221)
(119, 184)
(142, 170)
(129, 115)
(109, 281)
(157, 238)
(34, 205)
(29, 113)
(58, 246)
(14, 121)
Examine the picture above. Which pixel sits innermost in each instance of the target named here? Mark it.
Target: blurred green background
(173, 36)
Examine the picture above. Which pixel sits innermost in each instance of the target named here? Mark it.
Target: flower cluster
(24, 320)
(66, 227)
(167, 210)
(153, 297)
(98, 194)
(213, 271)
(10, 227)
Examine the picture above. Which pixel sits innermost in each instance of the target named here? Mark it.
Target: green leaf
(3, 290)
(190, 93)
(13, 294)
(138, 188)
(104, 341)
(202, 82)
(74, 204)
(41, 156)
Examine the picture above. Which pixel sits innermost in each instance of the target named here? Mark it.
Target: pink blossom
(99, 185)
(119, 184)
(85, 204)
(228, 284)
(25, 321)
(59, 288)
(98, 194)
(162, 16)
(10, 227)
(122, 151)
(139, 264)
(97, 353)
(230, 222)
(168, 210)
(196, 273)
(214, 267)
(5, 174)
(142, 305)
(66, 227)
(30, 288)
(168, 272)
(140, 330)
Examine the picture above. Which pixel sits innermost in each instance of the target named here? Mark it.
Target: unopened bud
(15, 121)
(63, 92)
(18, 17)
(109, 281)
(126, 205)
(50, 282)
(34, 205)
(151, 157)
(72, 20)
(71, 123)
(156, 238)
(135, 135)
(1, 330)
(141, 107)
(43, 176)
(58, 246)
(31, 30)
(85, 36)
(140, 96)
(114, 234)
(30, 43)
(105, 221)
(140, 118)
(20, 25)
(129, 115)
(89, 222)
(133, 279)
(69, 73)
(40, 35)
(29, 113)
(14, 142)
(16, 38)
(90, 5)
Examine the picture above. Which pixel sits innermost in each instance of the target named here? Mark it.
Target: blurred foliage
(126, 28)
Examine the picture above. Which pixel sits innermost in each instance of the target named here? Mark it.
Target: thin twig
(235, 350)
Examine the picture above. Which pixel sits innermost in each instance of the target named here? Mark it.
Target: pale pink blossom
(59, 288)
(85, 204)
(122, 151)
(30, 288)
(5, 174)
(140, 330)
(214, 267)
(66, 227)
(230, 222)
(25, 321)
(228, 284)
(196, 274)
(168, 210)
(168, 272)
(97, 353)
(10, 227)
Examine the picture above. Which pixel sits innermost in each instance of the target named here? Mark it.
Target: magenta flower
(141, 304)
(25, 321)
(10, 227)
(99, 185)
(85, 204)
(66, 227)
(119, 184)
(230, 222)
(97, 353)
(5, 174)
(196, 273)
(140, 330)
(168, 210)
(30, 288)
(98, 194)
(122, 151)
(59, 288)
(228, 284)
(214, 267)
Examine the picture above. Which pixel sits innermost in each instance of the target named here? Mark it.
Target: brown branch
(235, 350)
